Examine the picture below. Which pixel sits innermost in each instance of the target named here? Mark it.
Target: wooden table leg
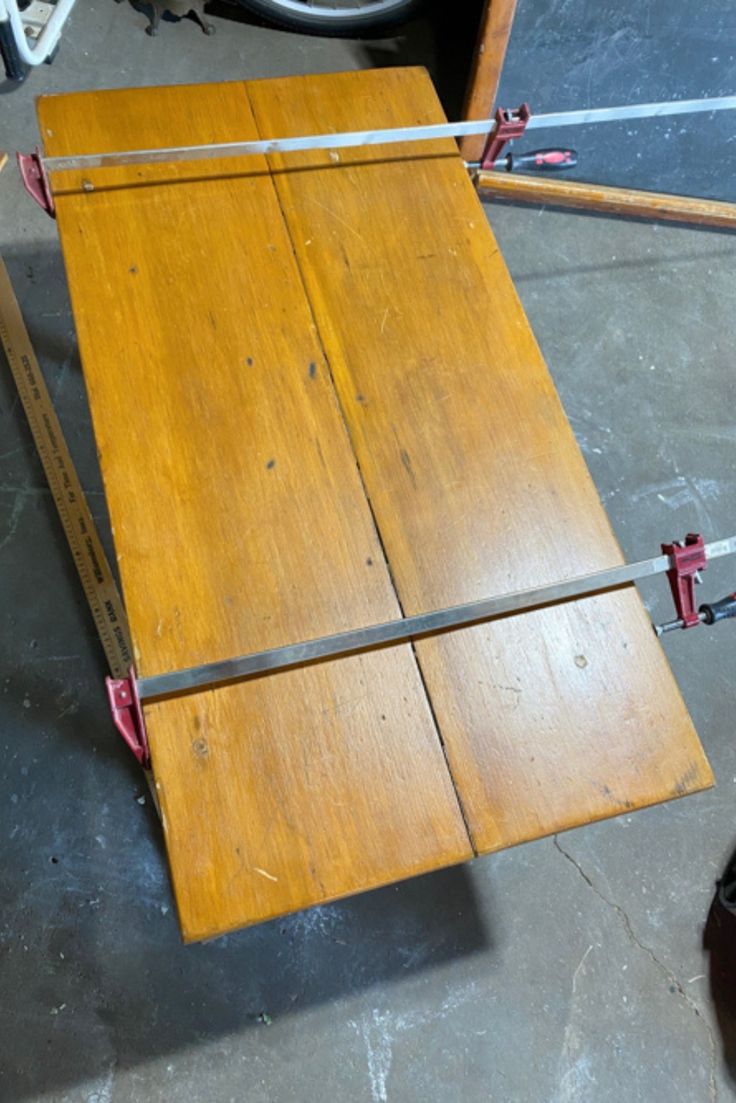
(490, 51)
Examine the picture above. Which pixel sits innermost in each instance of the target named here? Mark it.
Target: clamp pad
(509, 125)
(127, 715)
(689, 558)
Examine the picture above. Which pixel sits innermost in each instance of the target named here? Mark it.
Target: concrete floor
(568, 970)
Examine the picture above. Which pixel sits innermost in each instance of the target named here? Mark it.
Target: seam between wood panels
(366, 493)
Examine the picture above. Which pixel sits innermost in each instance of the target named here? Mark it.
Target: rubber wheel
(374, 18)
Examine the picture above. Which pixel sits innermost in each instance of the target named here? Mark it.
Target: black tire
(352, 25)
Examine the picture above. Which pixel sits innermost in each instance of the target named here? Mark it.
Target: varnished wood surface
(658, 206)
(494, 32)
(554, 718)
(240, 523)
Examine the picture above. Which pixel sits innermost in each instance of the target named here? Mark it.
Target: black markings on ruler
(94, 560)
(123, 644)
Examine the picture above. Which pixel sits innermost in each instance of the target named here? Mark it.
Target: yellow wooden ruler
(89, 555)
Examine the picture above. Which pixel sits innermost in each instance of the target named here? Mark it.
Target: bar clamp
(510, 124)
(127, 715)
(36, 181)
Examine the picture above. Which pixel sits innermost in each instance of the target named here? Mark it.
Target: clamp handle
(718, 610)
(540, 160)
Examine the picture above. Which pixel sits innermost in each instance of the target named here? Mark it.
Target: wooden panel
(485, 72)
(240, 523)
(658, 206)
(554, 718)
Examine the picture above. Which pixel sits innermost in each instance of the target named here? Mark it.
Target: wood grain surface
(240, 523)
(554, 718)
(205, 301)
(657, 206)
(496, 21)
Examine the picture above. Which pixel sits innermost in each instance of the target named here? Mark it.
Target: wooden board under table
(317, 403)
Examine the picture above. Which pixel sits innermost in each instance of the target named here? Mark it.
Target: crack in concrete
(660, 965)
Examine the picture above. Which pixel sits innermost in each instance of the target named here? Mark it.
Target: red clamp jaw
(688, 560)
(127, 715)
(509, 125)
(36, 181)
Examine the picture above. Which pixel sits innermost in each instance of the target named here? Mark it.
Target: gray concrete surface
(566, 971)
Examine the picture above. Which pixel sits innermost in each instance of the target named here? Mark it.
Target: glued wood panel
(554, 718)
(239, 523)
(240, 518)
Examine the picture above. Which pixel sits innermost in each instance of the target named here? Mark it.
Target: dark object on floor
(719, 941)
(176, 9)
(348, 18)
(15, 70)
(727, 886)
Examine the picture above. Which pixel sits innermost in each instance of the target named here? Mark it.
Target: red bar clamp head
(509, 125)
(127, 715)
(35, 180)
(688, 559)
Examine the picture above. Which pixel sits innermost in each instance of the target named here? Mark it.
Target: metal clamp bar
(385, 136)
(265, 146)
(398, 631)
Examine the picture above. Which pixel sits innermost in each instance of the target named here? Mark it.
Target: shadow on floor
(97, 980)
(94, 972)
(442, 40)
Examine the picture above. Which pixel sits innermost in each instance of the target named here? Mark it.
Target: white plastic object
(36, 30)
